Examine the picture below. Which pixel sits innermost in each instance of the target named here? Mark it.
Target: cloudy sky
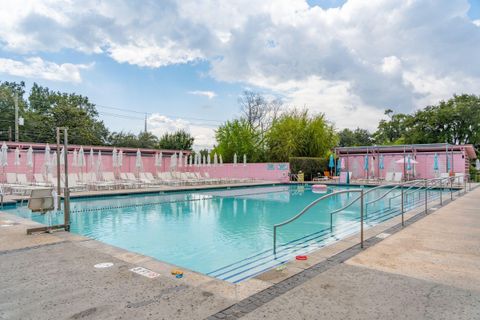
(184, 63)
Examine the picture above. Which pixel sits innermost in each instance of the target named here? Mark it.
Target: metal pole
(426, 195)
(274, 240)
(361, 219)
(16, 117)
(451, 188)
(59, 188)
(403, 209)
(441, 192)
(66, 203)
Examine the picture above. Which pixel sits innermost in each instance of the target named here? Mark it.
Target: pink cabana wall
(424, 169)
(262, 171)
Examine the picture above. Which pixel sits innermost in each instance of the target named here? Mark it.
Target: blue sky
(186, 63)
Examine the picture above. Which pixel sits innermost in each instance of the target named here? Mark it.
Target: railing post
(331, 222)
(403, 209)
(451, 188)
(361, 219)
(274, 240)
(441, 192)
(426, 195)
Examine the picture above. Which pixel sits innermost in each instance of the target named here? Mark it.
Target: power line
(166, 115)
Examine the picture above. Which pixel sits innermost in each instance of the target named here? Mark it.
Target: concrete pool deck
(411, 274)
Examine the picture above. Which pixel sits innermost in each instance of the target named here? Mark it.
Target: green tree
(297, 134)
(357, 137)
(179, 140)
(8, 90)
(237, 136)
(393, 130)
(48, 110)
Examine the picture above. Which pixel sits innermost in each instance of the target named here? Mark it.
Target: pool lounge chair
(389, 176)
(40, 181)
(459, 178)
(397, 177)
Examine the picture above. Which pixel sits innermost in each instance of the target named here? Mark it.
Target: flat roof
(429, 147)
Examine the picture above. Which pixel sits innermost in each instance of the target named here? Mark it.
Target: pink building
(418, 161)
(262, 171)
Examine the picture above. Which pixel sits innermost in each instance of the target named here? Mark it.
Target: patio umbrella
(30, 157)
(160, 159)
(190, 160)
(477, 165)
(75, 158)
(180, 158)
(435, 162)
(331, 162)
(138, 160)
(114, 158)
(215, 159)
(186, 161)
(91, 160)
(409, 163)
(99, 163)
(81, 160)
(204, 161)
(16, 159)
(381, 164)
(339, 165)
(62, 156)
(448, 165)
(244, 159)
(46, 159)
(52, 163)
(221, 160)
(365, 163)
(4, 157)
(120, 159)
(208, 159)
(173, 161)
(235, 159)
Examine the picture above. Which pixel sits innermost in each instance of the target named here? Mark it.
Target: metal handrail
(426, 182)
(305, 210)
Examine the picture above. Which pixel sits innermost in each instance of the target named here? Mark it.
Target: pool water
(225, 233)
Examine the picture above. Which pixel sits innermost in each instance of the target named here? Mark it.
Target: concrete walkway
(429, 270)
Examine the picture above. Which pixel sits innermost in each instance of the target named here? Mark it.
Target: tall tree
(297, 134)
(179, 140)
(357, 137)
(237, 136)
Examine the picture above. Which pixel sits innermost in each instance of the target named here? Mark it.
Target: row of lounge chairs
(18, 183)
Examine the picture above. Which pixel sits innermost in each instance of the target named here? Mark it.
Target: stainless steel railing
(422, 185)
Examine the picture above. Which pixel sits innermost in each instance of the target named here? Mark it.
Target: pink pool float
(319, 188)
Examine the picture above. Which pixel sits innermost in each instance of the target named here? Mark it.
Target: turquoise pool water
(225, 233)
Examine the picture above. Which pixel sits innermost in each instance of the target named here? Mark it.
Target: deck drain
(145, 272)
(103, 265)
(383, 235)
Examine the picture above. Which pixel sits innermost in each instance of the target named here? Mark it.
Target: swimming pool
(224, 233)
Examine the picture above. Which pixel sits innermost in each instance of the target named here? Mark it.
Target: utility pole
(16, 117)
(146, 122)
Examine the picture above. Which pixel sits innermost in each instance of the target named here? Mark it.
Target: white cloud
(204, 135)
(208, 94)
(476, 22)
(38, 68)
(350, 62)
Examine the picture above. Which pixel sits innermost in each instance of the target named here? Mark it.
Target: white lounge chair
(397, 177)
(389, 176)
